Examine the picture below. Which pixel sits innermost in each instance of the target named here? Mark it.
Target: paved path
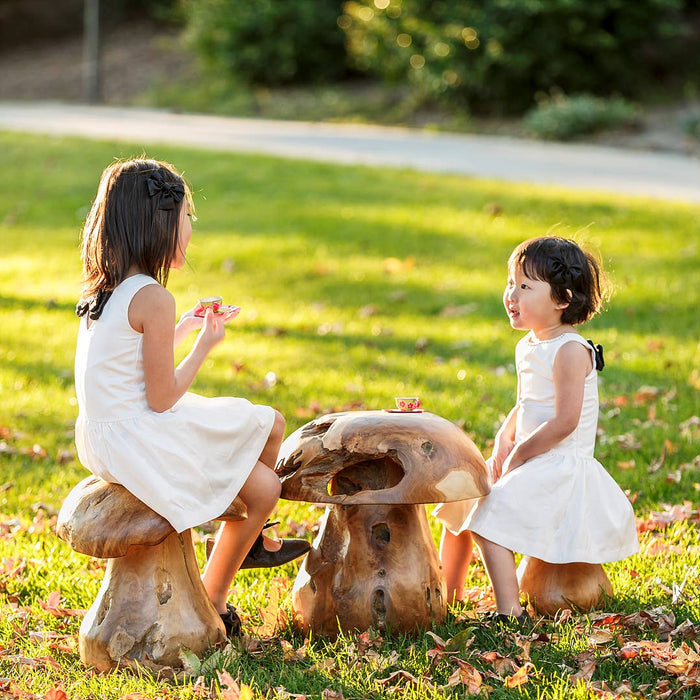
(659, 175)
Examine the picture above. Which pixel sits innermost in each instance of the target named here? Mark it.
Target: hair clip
(169, 192)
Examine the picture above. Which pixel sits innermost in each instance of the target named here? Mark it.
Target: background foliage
(269, 42)
(488, 57)
(497, 56)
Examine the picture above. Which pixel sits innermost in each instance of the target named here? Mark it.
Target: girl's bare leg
(260, 493)
(269, 454)
(455, 556)
(500, 566)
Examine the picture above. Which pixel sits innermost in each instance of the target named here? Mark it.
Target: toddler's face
(529, 304)
(184, 236)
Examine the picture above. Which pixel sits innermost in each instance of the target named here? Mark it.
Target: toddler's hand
(501, 451)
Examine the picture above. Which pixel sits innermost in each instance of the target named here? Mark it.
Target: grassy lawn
(358, 285)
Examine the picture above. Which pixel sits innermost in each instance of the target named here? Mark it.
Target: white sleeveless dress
(187, 463)
(560, 506)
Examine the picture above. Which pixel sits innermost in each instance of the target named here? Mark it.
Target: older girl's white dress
(560, 506)
(187, 463)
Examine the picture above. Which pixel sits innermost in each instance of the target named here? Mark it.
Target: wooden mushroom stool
(152, 601)
(554, 587)
(374, 563)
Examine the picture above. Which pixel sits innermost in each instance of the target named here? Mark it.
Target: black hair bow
(94, 309)
(169, 192)
(565, 274)
(598, 352)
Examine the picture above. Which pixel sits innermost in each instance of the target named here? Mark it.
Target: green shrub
(269, 42)
(563, 118)
(691, 125)
(495, 56)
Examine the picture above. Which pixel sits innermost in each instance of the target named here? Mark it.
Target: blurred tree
(497, 55)
(269, 42)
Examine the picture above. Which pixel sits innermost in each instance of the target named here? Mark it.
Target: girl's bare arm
(152, 312)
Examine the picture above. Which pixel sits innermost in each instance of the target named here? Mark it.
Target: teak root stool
(373, 563)
(152, 601)
(554, 587)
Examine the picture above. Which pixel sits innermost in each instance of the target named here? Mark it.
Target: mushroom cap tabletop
(104, 520)
(375, 457)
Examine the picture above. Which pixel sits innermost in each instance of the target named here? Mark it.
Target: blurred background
(623, 72)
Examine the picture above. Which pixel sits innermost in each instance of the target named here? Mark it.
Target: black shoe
(260, 558)
(232, 623)
(522, 622)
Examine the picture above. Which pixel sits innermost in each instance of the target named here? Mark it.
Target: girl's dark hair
(575, 276)
(133, 220)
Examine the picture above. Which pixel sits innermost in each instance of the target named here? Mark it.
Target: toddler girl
(184, 455)
(551, 499)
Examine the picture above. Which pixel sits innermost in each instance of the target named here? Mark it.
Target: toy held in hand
(217, 307)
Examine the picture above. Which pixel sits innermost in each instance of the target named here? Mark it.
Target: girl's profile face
(529, 304)
(184, 236)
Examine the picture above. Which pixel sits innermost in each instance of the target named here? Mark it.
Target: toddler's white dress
(187, 463)
(560, 506)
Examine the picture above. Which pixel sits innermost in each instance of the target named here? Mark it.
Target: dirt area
(136, 55)
(133, 56)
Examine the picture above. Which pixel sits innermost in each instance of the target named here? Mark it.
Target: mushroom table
(152, 601)
(374, 563)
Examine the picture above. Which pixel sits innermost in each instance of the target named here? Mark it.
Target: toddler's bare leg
(500, 565)
(455, 556)
(260, 493)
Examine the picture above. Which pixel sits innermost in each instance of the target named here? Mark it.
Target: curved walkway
(578, 166)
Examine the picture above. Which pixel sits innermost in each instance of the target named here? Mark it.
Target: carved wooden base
(151, 603)
(371, 566)
(553, 587)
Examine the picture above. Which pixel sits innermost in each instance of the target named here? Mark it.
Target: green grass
(307, 250)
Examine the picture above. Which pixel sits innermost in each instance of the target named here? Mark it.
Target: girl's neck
(550, 332)
(133, 270)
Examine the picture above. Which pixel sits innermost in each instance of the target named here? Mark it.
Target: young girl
(185, 456)
(551, 499)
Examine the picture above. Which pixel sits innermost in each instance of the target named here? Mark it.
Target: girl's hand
(213, 330)
(230, 314)
(189, 321)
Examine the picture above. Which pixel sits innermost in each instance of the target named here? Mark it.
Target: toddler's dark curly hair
(575, 276)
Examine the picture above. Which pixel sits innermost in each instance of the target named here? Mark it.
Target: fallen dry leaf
(231, 690)
(57, 693)
(645, 394)
(660, 520)
(394, 265)
(328, 694)
(465, 674)
(502, 665)
(599, 637)
(520, 677)
(52, 606)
